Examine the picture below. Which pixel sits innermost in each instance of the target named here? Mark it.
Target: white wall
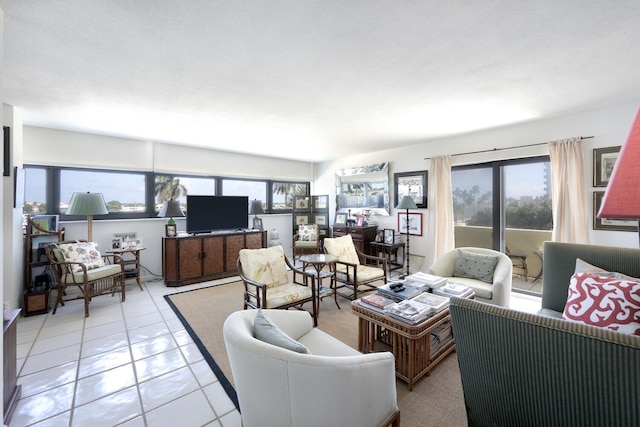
(609, 127)
(43, 146)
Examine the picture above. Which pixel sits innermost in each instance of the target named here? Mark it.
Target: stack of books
(398, 292)
(430, 280)
(436, 302)
(376, 302)
(453, 290)
(410, 311)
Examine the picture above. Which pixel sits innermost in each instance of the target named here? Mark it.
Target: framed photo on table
(170, 230)
(412, 184)
(257, 224)
(604, 159)
(413, 226)
(341, 219)
(388, 236)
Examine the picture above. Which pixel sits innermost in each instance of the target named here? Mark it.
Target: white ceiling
(313, 79)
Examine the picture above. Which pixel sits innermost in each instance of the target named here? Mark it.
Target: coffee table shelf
(410, 344)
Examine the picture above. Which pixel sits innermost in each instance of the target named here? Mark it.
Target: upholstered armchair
(80, 264)
(307, 240)
(331, 385)
(354, 269)
(485, 271)
(268, 284)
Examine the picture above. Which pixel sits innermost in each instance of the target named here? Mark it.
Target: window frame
(53, 183)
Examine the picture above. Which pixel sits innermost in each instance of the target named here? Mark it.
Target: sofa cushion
(343, 248)
(266, 265)
(308, 232)
(83, 252)
(265, 330)
(475, 266)
(604, 302)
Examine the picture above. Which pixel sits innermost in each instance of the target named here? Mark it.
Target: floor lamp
(622, 197)
(407, 203)
(88, 204)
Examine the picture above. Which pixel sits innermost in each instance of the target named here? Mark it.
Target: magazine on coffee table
(410, 311)
(436, 302)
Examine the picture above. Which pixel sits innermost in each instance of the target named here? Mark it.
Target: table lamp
(170, 208)
(88, 204)
(622, 197)
(407, 203)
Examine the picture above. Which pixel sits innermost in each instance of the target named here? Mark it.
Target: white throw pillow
(265, 330)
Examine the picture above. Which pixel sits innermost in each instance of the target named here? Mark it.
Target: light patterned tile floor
(130, 364)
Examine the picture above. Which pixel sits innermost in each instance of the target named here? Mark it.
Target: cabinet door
(235, 242)
(213, 261)
(254, 241)
(189, 257)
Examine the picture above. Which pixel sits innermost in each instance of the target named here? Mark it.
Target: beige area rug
(436, 400)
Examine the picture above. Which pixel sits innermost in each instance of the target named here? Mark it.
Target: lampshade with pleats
(88, 204)
(171, 208)
(622, 197)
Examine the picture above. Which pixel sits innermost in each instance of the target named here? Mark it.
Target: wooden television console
(202, 257)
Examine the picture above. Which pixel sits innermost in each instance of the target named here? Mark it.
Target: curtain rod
(505, 148)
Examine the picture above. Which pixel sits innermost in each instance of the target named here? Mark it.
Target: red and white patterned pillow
(604, 302)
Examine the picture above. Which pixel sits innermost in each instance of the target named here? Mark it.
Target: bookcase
(39, 279)
(311, 210)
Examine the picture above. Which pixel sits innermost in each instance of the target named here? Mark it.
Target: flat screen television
(213, 213)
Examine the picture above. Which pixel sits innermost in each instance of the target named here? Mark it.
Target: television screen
(211, 213)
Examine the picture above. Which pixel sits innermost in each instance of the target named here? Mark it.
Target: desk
(390, 251)
(135, 262)
(318, 262)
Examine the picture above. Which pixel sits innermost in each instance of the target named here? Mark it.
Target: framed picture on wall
(413, 226)
(412, 184)
(604, 159)
(610, 224)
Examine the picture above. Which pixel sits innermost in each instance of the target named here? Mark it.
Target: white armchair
(498, 292)
(333, 385)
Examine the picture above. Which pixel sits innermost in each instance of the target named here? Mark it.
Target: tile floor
(130, 364)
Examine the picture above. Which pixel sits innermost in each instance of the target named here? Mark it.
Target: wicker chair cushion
(266, 265)
(308, 232)
(343, 248)
(286, 294)
(92, 275)
(305, 244)
(365, 272)
(83, 252)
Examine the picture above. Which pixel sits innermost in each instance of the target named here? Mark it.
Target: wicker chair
(267, 283)
(355, 269)
(307, 240)
(103, 274)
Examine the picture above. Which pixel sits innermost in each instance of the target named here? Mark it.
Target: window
(506, 206)
(282, 194)
(133, 194)
(35, 193)
(122, 191)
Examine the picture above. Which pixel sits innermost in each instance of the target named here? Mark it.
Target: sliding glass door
(506, 206)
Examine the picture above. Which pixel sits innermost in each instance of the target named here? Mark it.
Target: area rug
(436, 400)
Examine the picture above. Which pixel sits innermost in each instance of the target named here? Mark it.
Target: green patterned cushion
(308, 232)
(83, 252)
(475, 266)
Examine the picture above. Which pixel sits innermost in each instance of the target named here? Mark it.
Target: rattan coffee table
(410, 344)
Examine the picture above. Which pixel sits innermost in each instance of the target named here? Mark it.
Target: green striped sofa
(523, 369)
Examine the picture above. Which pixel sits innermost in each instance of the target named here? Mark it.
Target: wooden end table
(390, 251)
(135, 261)
(410, 344)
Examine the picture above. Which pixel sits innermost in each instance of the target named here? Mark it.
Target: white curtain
(440, 236)
(567, 175)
